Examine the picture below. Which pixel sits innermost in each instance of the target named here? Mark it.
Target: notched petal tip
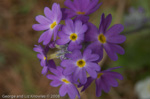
(34, 26)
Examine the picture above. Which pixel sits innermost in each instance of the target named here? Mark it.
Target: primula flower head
(50, 23)
(80, 7)
(105, 79)
(72, 33)
(107, 39)
(66, 83)
(79, 47)
(79, 64)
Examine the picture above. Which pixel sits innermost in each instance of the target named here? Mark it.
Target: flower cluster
(79, 45)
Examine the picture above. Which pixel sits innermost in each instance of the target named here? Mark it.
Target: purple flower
(66, 83)
(38, 48)
(72, 33)
(80, 7)
(52, 45)
(105, 79)
(50, 23)
(49, 66)
(78, 64)
(46, 64)
(107, 39)
(41, 54)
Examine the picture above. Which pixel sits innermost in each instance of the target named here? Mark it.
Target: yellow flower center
(66, 81)
(53, 25)
(81, 63)
(73, 37)
(99, 75)
(80, 13)
(102, 38)
(44, 58)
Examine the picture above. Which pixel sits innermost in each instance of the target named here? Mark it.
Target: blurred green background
(20, 70)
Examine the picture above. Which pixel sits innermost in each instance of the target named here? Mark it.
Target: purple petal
(70, 13)
(56, 72)
(52, 77)
(105, 22)
(91, 6)
(70, 4)
(72, 91)
(67, 63)
(108, 21)
(80, 38)
(105, 84)
(113, 68)
(93, 57)
(87, 84)
(111, 81)
(92, 32)
(118, 39)
(43, 36)
(79, 28)
(78, 25)
(60, 69)
(48, 13)
(101, 26)
(63, 40)
(117, 49)
(44, 70)
(82, 76)
(98, 87)
(69, 70)
(88, 56)
(91, 72)
(57, 12)
(77, 4)
(83, 29)
(95, 8)
(69, 28)
(74, 46)
(40, 56)
(83, 18)
(52, 64)
(38, 48)
(63, 90)
(42, 20)
(75, 55)
(115, 75)
(48, 38)
(40, 27)
(43, 62)
(55, 83)
(93, 66)
(110, 52)
(76, 74)
(56, 32)
(64, 14)
(87, 52)
(97, 48)
(115, 30)
(85, 4)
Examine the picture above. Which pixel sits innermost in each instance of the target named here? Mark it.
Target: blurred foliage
(137, 51)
